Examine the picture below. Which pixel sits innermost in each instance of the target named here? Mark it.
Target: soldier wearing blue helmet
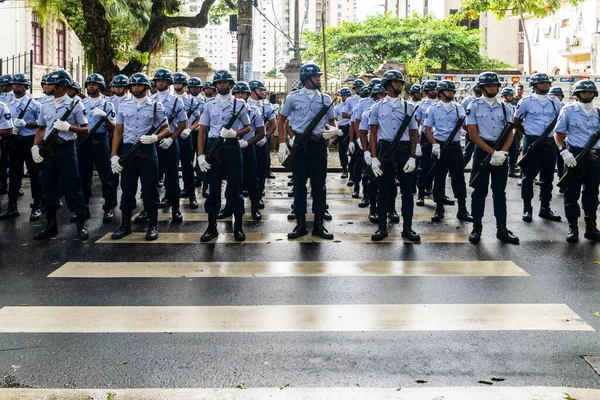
(300, 108)
(469, 147)
(534, 116)
(486, 119)
(416, 93)
(349, 107)
(423, 152)
(507, 95)
(6, 96)
(344, 125)
(580, 121)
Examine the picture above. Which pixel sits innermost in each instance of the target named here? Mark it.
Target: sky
(366, 7)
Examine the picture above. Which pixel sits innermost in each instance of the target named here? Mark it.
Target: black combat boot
(225, 212)
(381, 232)
(448, 201)
(319, 230)
(591, 231)
(211, 232)
(420, 198)
(51, 228)
(393, 216)
(164, 203)
(365, 201)
(238, 231)
(108, 211)
(344, 173)
(193, 200)
(327, 216)
(261, 204)
(87, 216)
(475, 236)
(254, 212)
(547, 213)
(439, 213)
(373, 217)
(152, 232)
(407, 231)
(36, 210)
(125, 228)
(82, 232)
(527, 211)
(176, 215)
(503, 233)
(142, 217)
(573, 235)
(463, 214)
(300, 229)
(11, 212)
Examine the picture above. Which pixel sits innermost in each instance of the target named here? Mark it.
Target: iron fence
(20, 63)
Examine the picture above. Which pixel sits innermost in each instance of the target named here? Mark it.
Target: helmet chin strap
(540, 91)
(485, 92)
(584, 101)
(314, 85)
(224, 91)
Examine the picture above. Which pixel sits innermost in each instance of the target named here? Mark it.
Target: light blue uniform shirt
(191, 108)
(174, 110)
(116, 101)
(265, 108)
(388, 117)
(6, 119)
(537, 115)
(442, 121)
(137, 121)
(7, 97)
(300, 108)
(217, 113)
(490, 120)
(256, 121)
(362, 106)
(364, 121)
(337, 110)
(467, 102)
(578, 125)
(51, 113)
(421, 113)
(350, 103)
(31, 114)
(102, 104)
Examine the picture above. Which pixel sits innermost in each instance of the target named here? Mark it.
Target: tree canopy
(420, 42)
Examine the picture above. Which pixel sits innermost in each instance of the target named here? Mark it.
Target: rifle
(508, 128)
(134, 151)
(581, 159)
(11, 139)
(48, 144)
(533, 147)
(390, 154)
(90, 135)
(256, 138)
(344, 138)
(446, 148)
(217, 149)
(191, 110)
(302, 140)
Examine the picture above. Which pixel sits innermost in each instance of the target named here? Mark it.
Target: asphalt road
(43, 345)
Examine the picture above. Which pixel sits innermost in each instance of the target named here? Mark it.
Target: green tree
(126, 32)
(419, 42)
(271, 74)
(502, 8)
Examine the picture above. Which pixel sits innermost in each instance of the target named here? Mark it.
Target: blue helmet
(180, 77)
(241, 87)
(538, 78)
(377, 89)
(373, 82)
(6, 80)
(364, 92)
(445, 85)
(585, 86)
(209, 85)
(309, 70)
(429, 84)
(195, 82)
(415, 89)
(345, 92)
(476, 90)
(75, 86)
(21, 79)
(139, 79)
(120, 80)
(223, 75)
(163, 74)
(507, 92)
(60, 77)
(256, 84)
(486, 78)
(358, 83)
(391, 75)
(95, 78)
(556, 91)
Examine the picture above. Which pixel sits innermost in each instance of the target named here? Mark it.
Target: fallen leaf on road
(15, 366)
(124, 363)
(111, 396)
(498, 379)
(284, 386)
(242, 386)
(597, 314)
(569, 397)
(486, 382)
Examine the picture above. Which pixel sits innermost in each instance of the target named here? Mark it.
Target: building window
(61, 44)
(521, 53)
(38, 39)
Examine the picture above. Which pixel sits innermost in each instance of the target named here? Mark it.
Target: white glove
(331, 132)
(185, 133)
(35, 153)
(149, 139)
(115, 166)
(367, 157)
(351, 148)
(96, 112)
(282, 153)
(419, 151)
(243, 143)
(166, 143)
(19, 123)
(376, 167)
(569, 159)
(262, 142)
(15, 130)
(498, 158)
(202, 164)
(410, 165)
(228, 133)
(292, 140)
(62, 126)
(435, 150)
(359, 144)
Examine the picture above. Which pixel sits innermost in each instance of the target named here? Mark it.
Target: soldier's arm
(117, 139)
(281, 128)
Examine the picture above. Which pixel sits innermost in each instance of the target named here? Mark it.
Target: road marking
(186, 238)
(294, 318)
(203, 217)
(285, 269)
(410, 393)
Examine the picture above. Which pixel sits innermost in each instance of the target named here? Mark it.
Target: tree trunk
(94, 14)
(520, 7)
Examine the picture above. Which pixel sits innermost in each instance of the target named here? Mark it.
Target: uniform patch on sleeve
(468, 112)
(7, 117)
(84, 112)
